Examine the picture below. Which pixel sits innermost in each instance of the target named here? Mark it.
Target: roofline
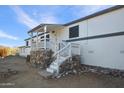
(21, 46)
(41, 25)
(24, 46)
(84, 18)
(95, 14)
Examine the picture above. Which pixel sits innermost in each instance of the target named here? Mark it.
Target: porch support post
(31, 40)
(37, 41)
(45, 41)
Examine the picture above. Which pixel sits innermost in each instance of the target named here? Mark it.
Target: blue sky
(15, 21)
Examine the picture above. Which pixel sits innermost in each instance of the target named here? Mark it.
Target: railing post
(45, 30)
(70, 50)
(37, 42)
(58, 63)
(31, 40)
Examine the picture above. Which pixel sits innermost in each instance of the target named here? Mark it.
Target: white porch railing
(33, 46)
(62, 44)
(40, 44)
(63, 54)
(69, 50)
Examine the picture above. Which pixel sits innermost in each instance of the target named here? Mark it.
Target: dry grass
(6, 51)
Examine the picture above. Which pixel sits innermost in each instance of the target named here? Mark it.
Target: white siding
(24, 51)
(107, 23)
(105, 52)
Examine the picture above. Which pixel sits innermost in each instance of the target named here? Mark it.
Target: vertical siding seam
(87, 31)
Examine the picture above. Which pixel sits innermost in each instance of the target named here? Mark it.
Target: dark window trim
(27, 43)
(70, 30)
(98, 36)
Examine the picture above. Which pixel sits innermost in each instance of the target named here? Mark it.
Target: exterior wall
(53, 40)
(107, 23)
(24, 51)
(29, 42)
(106, 52)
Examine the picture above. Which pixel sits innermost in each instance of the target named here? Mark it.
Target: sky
(16, 21)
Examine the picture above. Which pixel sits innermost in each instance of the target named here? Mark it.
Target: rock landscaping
(74, 67)
(101, 70)
(41, 58)
(70, 66)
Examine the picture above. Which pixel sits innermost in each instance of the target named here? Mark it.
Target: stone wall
(41, 58)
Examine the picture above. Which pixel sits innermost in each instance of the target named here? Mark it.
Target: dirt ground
(28, 77)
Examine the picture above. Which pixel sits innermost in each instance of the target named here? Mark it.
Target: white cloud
(38, 17)
(51, 16)
(96, 8)
(48, 18)
(88, 9)
(76, 11)
(24, 18)
(5, 35)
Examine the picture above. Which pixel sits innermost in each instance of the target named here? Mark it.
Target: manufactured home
(98, 39)
(24, 51)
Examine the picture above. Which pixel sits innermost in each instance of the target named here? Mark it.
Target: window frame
(74, 34)
(27, 43)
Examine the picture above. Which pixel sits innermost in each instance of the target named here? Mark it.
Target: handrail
(61, 56)
(62, 49)
(62, 44)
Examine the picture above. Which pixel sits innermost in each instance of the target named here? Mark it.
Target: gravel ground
(28, 77)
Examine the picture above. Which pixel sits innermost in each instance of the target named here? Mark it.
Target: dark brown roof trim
(96, 14)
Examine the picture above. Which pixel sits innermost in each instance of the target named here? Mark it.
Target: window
(74, 31)
(47, 36)
(41, 37)
(26, 43)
